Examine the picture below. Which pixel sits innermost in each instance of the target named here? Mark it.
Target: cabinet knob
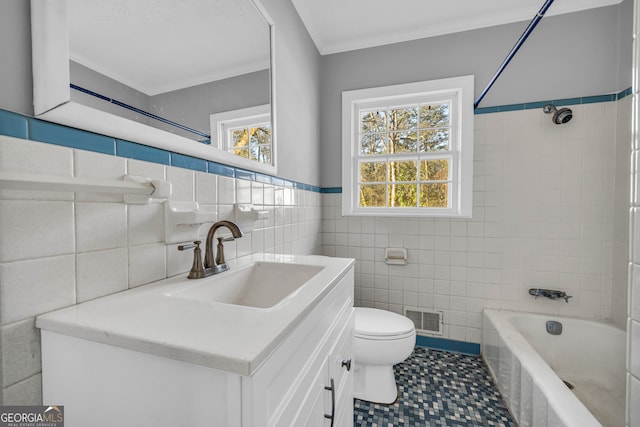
(346, 363)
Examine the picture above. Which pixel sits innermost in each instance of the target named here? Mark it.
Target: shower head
(560, 116)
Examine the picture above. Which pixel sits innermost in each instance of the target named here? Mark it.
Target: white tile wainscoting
(550, 210)
(60, 249)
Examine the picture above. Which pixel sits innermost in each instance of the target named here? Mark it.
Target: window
(408, 149)
(245, 133)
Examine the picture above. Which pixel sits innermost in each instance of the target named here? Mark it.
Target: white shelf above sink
(182, 220)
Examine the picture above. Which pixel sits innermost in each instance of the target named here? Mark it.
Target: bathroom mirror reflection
(157, 71)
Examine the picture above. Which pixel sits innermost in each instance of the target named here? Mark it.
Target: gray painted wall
(579, 54)
(192, 106)
(189, 107)
(297, 83)
(574, 55)
(16, 83)
(99, 83)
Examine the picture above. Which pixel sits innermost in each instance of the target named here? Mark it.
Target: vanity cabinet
(305, 380)
(309, 376)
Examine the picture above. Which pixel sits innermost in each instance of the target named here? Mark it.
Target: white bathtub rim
(568, 408)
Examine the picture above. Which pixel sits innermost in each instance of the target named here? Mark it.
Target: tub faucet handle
(549, 293)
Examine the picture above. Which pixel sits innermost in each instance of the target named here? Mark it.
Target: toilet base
(375, 384)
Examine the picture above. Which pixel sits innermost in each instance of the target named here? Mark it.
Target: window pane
(434, 195)
(402, 142)
(253, 137)
(373, 144)
(434, 139)
(404, 118)
(402, 195)
(434, 170)
(436, 115)
(373, 121)
(242, 152)
(260, 135)
(261, 153)
(373, 195)
(403, 171)
(373, 171)
(239, 138)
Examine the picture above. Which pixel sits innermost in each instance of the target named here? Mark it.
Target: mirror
(160, 73)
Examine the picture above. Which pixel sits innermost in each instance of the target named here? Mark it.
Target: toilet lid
(371, 322)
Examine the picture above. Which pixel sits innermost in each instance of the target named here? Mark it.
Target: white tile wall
(60, 249)
(34, 286)
(549, 211)
(543, 216)
(27, 232)
(101, 273)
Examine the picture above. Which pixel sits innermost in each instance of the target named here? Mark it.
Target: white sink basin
(258, 285)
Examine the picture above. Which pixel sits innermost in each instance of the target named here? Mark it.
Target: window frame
(222, 123)
(458, 91)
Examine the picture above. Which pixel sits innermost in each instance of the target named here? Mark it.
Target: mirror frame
(52, 93)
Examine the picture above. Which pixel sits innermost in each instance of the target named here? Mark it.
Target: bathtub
(530, 366)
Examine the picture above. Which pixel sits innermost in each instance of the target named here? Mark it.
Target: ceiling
(157, 46)
(343, 25)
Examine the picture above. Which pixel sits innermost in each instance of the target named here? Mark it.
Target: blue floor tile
(438, 388)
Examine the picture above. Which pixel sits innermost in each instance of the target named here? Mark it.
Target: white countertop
(227, 337)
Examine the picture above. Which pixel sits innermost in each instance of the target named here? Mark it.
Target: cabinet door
(331, 394)
(274, 395)
(317, 403)
(341, 371)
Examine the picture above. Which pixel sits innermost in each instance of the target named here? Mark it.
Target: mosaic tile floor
(438, 388)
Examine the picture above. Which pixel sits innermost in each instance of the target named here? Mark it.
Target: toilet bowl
(381, 340)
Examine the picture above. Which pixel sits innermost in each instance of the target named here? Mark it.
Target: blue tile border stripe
(53, 133)
(132, 150)
(25, 127)
(448, 345)
(332, 190)
(21, 126)
(13, 124)
(557, 102)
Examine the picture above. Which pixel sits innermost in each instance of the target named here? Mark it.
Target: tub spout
(549, 293)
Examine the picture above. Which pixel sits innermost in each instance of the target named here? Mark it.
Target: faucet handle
(195, 244)
(197, 270)
(220, 251)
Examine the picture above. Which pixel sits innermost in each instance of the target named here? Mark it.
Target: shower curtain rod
(515, 49)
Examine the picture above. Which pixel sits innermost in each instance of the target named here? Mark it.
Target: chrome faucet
(211, 266)
(549, 293)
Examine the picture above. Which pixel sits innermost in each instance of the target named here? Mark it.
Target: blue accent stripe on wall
(20, 126)
(245, 174)
(13, 124)
(448, 345)
(332, 190)
(69, 137)
(188, 162)
(223, 170)
(556, 102)
(132, 150)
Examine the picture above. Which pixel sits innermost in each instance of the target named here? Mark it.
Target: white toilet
(381, 340)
